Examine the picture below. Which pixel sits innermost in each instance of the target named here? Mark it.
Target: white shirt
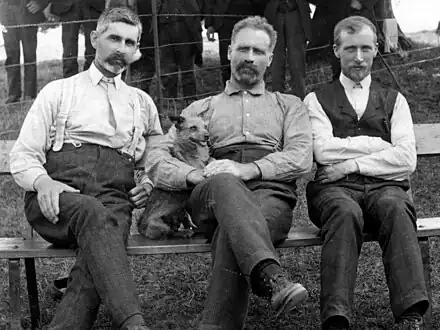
(88, 122)
(374, 156)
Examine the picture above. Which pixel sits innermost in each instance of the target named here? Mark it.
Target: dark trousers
(28, 38)
(177, 56)
(246, 220)
(69, 37)
(344, 212)
(290, 46)
(224, 35)
(143, 70)
(97, 222)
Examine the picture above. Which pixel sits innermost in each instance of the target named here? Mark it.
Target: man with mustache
(364, 147)
(221, 17)
(243, 200)
(75, 157)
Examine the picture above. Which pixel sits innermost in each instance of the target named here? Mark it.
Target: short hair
(121, 14)
(352, 25)
(256, 23)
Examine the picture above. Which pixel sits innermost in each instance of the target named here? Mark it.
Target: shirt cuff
(267, 169)
(362, 168)
(179, 182)
(26, 179)
(145, 180)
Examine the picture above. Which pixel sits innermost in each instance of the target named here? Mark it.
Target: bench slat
(427, 139)
(139, 245)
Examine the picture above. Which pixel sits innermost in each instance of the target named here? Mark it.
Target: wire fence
(156, 77)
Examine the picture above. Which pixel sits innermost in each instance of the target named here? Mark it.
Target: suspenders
(128, 150)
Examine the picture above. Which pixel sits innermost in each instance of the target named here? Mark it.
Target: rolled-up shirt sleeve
(165, 171)
(28, 154)
(329, 149)
(152, 128)
(296, 156)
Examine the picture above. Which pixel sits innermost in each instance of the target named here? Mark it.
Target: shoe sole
(291, 296)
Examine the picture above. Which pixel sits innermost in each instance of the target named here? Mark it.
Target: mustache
(244, 65)
(117, 58)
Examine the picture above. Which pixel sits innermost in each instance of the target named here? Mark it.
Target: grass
(172, 288)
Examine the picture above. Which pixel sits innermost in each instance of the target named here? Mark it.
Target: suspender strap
(63, 113)
(137, 124)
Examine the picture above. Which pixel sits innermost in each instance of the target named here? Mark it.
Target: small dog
(165, 211)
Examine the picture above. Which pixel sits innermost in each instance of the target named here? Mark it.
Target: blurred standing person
(180, 39)
(70, 12)
(13, 13)
(142, 71)
(291, 19)
(218, 21)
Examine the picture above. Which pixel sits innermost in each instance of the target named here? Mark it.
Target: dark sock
(415, 311)
(337, 321)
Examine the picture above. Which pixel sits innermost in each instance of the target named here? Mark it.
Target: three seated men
(77, 168)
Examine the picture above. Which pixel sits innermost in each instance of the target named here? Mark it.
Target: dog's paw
(155, 229)
(183, 233)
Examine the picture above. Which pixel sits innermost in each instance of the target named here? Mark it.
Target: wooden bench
(14, 249)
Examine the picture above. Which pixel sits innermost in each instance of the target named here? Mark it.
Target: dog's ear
(177, 120)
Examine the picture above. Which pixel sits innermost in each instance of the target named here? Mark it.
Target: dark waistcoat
(374, 122)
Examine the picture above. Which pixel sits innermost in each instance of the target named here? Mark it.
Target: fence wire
(157, 46)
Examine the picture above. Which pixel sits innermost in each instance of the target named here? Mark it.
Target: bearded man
(75, 157)
(243, 200)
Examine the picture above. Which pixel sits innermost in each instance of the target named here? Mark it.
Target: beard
(247, 74)
(357, 73)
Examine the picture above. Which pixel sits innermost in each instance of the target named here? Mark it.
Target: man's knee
(396, 210)
(343, 216)
(83, 209)
(222, 180)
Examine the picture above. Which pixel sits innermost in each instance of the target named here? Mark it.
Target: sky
(412, 15)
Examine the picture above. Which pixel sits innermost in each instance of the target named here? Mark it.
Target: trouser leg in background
(69, 38)
(296, 52)
(12, 63)
(29, 44)
(224, 35)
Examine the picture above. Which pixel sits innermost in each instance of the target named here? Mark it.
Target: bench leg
(14, 293)
(426, 259)
(31, 279)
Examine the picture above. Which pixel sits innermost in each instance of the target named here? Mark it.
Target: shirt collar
(350, 84)
(233, 88)
(96, 76)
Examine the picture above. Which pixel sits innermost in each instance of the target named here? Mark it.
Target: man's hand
(48, 14)
(33, 7)
(49, 191)
(244, 172)
(195, 177)
(139, 195)
(332, 173)
(355, 4)
(210, 33)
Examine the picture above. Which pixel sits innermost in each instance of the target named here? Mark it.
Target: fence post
(155, 25)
